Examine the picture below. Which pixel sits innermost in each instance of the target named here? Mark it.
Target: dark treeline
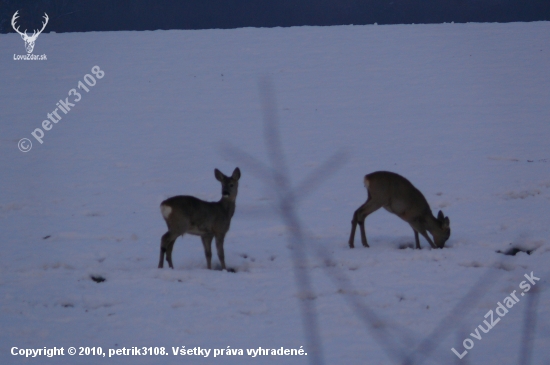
(109, 15)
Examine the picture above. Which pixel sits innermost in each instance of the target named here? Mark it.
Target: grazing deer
(187, 214)
(398, 196)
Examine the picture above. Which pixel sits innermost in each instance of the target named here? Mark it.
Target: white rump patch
(165, 210)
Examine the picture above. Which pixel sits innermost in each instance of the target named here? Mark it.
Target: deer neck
(432, 224)
(228, 204)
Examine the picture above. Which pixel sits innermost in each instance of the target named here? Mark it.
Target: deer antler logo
(29, 41)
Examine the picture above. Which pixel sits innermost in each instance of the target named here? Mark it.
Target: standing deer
(29, 40)
(398, 196)
(187, 214)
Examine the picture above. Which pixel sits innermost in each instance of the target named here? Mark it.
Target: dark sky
(108, 15)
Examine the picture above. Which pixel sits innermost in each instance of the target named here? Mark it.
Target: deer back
(397, 195)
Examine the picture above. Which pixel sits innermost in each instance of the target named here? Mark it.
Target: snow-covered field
(461, 110)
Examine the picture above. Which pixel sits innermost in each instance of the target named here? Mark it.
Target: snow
(461, 110)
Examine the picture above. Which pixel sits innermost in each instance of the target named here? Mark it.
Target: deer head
(29, 41)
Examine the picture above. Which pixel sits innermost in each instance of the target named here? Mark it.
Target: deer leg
(430, 241)
(169, 252)
(419, 228)
(424, 234)
(166, 245)
(363, 233)
(219, 249)
(359, 219)
(416, 239)
(162, 252)
(207, 243)
(353, 227)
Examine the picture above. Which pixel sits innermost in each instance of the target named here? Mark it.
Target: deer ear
(446, 222)
(236, 174)
(440, 216)
(219, 175)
